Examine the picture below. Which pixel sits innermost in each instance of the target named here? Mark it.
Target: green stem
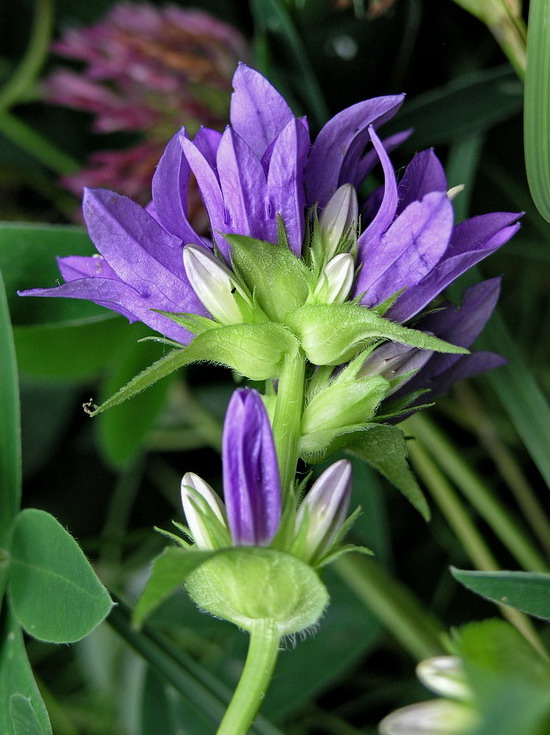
(36, 145)
(479, 495)
(468, 535)
(393, 604)
(288, 415)
(257, 672)
(35, 54)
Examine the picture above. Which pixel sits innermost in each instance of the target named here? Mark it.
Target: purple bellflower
(252, 514)
(263, 171)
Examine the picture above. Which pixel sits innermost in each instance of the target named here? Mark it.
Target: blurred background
(109, 83)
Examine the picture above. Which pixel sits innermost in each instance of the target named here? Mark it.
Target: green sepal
(246, 584)
(277, 278)
(340, 551)
(168, 573)
(331, 334)
(173, 537)
(253, 350)
(194, 323)
(383, 447)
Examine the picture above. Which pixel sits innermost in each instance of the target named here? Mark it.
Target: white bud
(197, 495)
(444, 675)
(340, 213)
(336, 280)
(214, 283)
(435, 717)
(325, 507)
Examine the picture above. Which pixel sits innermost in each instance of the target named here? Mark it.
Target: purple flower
(251, 482)
(263, 167)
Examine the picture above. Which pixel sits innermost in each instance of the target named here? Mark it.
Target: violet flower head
(147, 69)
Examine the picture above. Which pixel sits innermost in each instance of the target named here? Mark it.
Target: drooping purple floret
(252, 486)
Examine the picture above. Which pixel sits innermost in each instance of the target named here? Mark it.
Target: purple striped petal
(336, 154)
(252, 486)
(170, 184)
(73, 267)
(258, 112)
(121, 298)
(423, 175)
(285, 184)
(409, 250)
(208, 141)
(140, 252)
(209, 186)
(243, 185)
(472, 241)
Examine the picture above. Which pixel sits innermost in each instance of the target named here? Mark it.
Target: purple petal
(81, 266)
(464, 367)
(208, 141)
(472, 241)
(243, 186)
(170, 184)
(121, 298)
(139, 251)
(336, 154)
(207, 180)
(409, 250)
(285, 185)
(252, 486)
(423, 175)
(370, 159)
(258, 112)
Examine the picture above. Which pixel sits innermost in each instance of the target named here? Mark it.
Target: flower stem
(479, 495)
(251, 689)
(288, 415)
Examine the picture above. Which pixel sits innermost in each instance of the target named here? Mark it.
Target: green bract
(244, 585)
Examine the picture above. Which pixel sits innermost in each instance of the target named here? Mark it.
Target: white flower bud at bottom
(435, 717)
(444, 675)
(198, 498)
(214, 283)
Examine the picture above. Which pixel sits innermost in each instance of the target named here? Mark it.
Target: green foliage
(384, 448)
(526, 591)
(54, 592)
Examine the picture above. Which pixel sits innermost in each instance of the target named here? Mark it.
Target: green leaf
(28, 260)
(384, 448)
(254, 350)
(16, 679)
(24, 718)
(53, 590)
(527, 591)
(537, 106)
(157, 710)
(10, 429)
(71, 352)
(123, 429)
(278, 279)
(331, 334)
(510, 681)
(467, 105)
(169, 571)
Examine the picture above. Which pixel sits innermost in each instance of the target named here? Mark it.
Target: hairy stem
(288, 415)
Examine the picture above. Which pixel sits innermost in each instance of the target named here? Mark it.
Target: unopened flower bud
(324, 509)
(336, 280)
(438, 716)
(199, 499)
(444, 675)
(214, 283)
(339, 215)
(394, 360)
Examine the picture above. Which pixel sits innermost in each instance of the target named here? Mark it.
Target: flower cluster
(255, 512)
(294, 244)
(147, 70)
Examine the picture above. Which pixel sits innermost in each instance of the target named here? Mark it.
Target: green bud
(244, 585)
